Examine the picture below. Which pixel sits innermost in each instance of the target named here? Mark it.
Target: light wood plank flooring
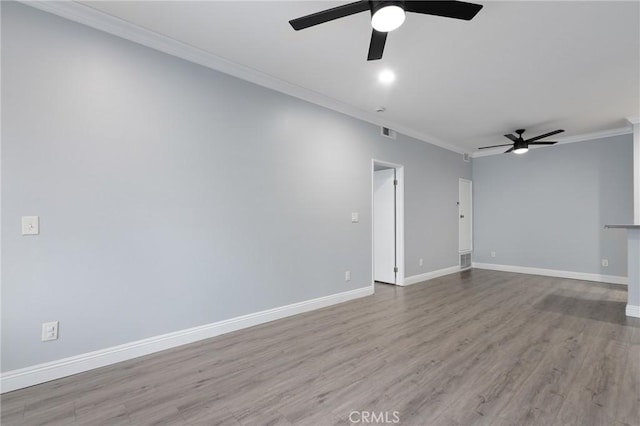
(475, 348)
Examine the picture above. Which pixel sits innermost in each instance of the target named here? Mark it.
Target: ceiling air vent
(388, 133)
(466, 157)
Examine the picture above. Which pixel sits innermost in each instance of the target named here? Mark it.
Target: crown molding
(569, 139)
(488, 153)
(110, 24)
(595, 135)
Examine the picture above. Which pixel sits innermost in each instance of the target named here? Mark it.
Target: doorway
(388, 222)
(465, 221)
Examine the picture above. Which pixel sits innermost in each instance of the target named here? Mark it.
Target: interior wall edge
(583, 276)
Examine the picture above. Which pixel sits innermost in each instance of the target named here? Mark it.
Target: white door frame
(399, 220)
(460, 180)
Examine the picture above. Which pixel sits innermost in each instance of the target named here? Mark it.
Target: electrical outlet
(493, 254)
(605, 263)
(49, 331)
(30, 225)
(421, 262)
(347, 276)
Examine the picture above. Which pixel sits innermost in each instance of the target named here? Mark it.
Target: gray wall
(547, 208)
(172, 196)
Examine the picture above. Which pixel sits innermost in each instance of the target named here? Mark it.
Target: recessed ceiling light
(386, 77)
(381, 109)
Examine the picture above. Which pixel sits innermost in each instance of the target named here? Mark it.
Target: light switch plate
(30, 225)
(49, 331)
(355, 217)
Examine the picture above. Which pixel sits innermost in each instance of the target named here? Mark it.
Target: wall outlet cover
(49, 331)
(30, 225)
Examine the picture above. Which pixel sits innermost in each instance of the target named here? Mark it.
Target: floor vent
(388, 133)
(465, 261)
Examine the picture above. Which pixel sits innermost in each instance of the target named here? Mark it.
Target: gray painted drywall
(547, 208)
(172, 196)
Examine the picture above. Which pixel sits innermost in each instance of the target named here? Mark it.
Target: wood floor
(476, 348)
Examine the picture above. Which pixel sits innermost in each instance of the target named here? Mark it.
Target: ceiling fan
(388, 15)
(520, 145)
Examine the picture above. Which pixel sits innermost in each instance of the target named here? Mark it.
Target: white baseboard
(612, 279)
(29, 376)
(414, 279)
(633, 311)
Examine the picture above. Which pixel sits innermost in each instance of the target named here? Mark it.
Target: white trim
(29, 376)
(414, 279)
(611, 279)
(594, 135)
(569, 139)
(635, 124)
(487, 153)
(110, 24)
(399, 220)
(633, 311)
(634, 120)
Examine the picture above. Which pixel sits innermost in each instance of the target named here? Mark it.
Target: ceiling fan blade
(512, 137)
(495, 146)
(376, 47)
(329, 15)
(543, 143)
(555, 132)
(448, 9)
(509, 150)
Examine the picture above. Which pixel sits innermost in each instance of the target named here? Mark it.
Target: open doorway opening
(388, 222)
(465, 224)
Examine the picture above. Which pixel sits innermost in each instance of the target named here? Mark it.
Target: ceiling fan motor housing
(376, 5)
(520, 144)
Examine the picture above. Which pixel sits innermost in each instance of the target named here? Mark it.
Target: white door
(465, 223)
(384, 225)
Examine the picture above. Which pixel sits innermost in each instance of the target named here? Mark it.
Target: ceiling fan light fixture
(387, 18)
(388, 15)
(520, 146)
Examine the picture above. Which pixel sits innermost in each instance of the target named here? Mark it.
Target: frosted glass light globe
(387, 18)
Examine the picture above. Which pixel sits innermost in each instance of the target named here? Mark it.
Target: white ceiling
(535, 65)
